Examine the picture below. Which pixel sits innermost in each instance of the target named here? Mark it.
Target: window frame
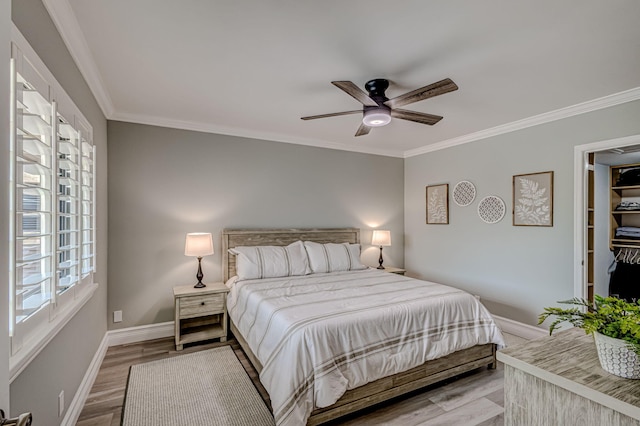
(31, 333)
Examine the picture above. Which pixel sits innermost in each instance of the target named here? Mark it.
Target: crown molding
(547, 117)
(245, 133)
(66, 22)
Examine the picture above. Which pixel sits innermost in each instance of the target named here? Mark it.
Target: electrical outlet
(117, 316)
(61, 403)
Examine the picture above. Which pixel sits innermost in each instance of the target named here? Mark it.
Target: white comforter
(322, 334)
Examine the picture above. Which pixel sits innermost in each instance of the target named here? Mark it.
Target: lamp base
(199, 275)
(380, 260)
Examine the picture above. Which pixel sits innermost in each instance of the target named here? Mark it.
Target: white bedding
(319, 335)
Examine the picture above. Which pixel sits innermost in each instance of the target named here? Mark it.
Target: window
(52, 202)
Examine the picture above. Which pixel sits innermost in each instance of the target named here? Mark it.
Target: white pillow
(254, 262)
(332, 257)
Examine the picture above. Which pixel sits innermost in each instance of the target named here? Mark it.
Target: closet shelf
(622, 188)
(620, 194)
(621, 243)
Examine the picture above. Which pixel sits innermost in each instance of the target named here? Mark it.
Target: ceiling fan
(378, 109)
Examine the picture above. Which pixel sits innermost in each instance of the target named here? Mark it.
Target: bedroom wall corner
(517, 270)
(62, 364)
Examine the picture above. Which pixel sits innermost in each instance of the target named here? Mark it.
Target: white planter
(617, 357)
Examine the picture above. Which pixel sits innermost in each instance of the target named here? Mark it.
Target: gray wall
(63, 363)
(516, 270)
(602, 256)
(164, 183)
(5, 55)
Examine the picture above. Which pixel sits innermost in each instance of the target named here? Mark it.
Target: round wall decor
(491, 209)
(464, 193)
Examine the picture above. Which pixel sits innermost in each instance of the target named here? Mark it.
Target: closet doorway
(592, 210)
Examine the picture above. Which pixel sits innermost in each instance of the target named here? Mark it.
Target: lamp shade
(198, 244)
(381, 238)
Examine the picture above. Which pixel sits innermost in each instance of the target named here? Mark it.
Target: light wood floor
(474, 399)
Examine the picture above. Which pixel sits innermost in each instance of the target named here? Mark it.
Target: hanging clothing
(625, 279)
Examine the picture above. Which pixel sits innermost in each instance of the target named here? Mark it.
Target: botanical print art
(533, 199)
(438, 204)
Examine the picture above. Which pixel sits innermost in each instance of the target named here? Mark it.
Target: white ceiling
(254, 67)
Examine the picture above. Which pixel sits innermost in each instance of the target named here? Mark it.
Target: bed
(295, 329)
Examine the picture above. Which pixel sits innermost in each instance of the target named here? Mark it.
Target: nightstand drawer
(201, 305)
(200, 314)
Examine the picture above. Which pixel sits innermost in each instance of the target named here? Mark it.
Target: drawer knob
(202, 303)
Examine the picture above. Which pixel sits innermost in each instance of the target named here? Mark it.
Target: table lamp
(198, 244)
(381, 238)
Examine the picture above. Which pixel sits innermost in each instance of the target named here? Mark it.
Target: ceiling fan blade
(363, 130)
(418, 117)
(435, 89)
(357, 93)
(333, 114)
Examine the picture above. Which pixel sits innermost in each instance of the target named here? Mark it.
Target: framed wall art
(464, 193)
(533, 199)
(491, 209)
(438, 204)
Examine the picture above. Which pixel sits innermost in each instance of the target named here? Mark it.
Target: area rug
(202, 388)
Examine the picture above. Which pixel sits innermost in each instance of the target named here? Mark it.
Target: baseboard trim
(520, 329)
(141, 333)
(75, 408)
(111, 338)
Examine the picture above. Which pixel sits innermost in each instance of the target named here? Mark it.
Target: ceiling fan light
(376, 117)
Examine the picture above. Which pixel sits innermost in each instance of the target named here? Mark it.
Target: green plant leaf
(610, 316)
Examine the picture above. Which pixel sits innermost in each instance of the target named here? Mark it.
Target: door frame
(580, 191)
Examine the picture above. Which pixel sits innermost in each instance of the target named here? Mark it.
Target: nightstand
(393, 270)
(200, 313)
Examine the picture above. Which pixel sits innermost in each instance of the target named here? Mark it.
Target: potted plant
(615, 325)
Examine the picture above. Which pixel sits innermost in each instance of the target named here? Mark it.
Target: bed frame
(375, 392)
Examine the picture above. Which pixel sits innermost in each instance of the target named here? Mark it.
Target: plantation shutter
(52, 202)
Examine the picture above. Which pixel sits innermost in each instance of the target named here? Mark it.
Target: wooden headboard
(279, 237)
